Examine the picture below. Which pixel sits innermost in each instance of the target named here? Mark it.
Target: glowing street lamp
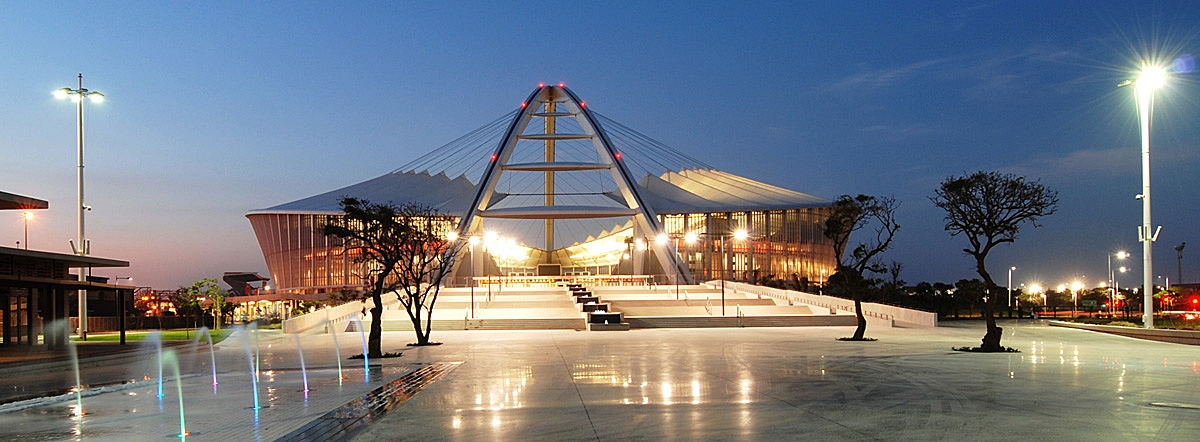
(78, 96)
(1151, 78)
(1112, 277)
(27, 216)
(1010, 270)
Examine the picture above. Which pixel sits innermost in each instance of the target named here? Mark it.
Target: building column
(5, 315)
(31, 313)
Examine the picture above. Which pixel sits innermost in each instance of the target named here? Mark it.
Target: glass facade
(780, 243)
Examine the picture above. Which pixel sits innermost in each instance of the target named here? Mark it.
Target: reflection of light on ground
(746, 384)
(695, 392)
(666, 393)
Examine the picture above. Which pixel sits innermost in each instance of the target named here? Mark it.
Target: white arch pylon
(609, 159)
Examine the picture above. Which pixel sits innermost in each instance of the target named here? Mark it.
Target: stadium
(554, 190)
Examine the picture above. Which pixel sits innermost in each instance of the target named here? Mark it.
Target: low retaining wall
(741, 321)
(1189, 337)
(876, 314)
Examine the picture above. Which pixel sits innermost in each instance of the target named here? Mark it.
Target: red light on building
(493, 157)
(618, 155)
(562, 84)
(523, 104)
(541, 84)
(582, 104)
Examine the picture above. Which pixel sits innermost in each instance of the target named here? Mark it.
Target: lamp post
(1075, 286)
(1148, 80)
(1178, 253)
(78, 96)
(1010, 270)
(27, 216)
(1112, 278)
(662, 241)
(471, 254)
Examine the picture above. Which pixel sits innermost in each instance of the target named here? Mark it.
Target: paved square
(673, 384)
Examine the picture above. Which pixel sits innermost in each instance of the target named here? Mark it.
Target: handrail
(333, 316)
(874, 310)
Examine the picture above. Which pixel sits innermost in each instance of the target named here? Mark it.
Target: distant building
(556, 188)
(38, 291)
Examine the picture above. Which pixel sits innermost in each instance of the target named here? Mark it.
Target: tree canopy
(989, 209)
(404, 247)
(849, 215)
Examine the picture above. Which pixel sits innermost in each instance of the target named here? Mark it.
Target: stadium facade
(555, 188)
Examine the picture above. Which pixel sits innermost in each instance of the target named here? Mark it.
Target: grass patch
(166, 335)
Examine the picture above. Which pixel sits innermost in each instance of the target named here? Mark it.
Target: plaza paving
(675, 384)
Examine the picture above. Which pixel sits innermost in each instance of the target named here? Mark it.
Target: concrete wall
(877, 314)
(1189, 337)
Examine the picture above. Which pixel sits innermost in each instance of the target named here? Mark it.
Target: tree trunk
(422, 333)
(375, 340)
(862, 321)
(991, 339)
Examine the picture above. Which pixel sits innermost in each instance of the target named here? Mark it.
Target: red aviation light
(541, 84)
(617, 155)
(562, 84)
(582, 104)
(523, 104)
(493, 157)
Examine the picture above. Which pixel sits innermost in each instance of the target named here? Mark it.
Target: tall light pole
(1148, 80)
(27, 216)
(471, 242)
(1178, 253)
(1112, 279)
(78, 96)
(1010, 270)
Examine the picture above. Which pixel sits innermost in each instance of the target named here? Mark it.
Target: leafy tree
(405, 248)
(989, 208)
(344, 295)
(205, 289)
(851, 214)
(186, 303)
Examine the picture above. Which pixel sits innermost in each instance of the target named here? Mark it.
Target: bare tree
(851, 214)
(989, 209)
(405, 249)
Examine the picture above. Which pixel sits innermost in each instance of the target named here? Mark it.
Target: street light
(27, 216)
(1010, 270)
(1075, 287)
(1112, 278)
(78, 96)
(1179, 261)
(1148, 80)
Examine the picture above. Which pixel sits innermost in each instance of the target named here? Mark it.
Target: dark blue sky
(218, 108)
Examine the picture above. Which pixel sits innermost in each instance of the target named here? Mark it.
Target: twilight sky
(217, 108)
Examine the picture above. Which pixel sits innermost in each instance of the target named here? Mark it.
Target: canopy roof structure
(9, 201)
(585, 196)
(555, 183)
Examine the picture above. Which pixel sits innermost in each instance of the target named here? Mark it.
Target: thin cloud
(886, 77)
(992, 75)
(1081, 163)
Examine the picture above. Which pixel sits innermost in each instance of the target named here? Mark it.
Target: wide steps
(491, 324)
(745, 321)
(618, 303)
